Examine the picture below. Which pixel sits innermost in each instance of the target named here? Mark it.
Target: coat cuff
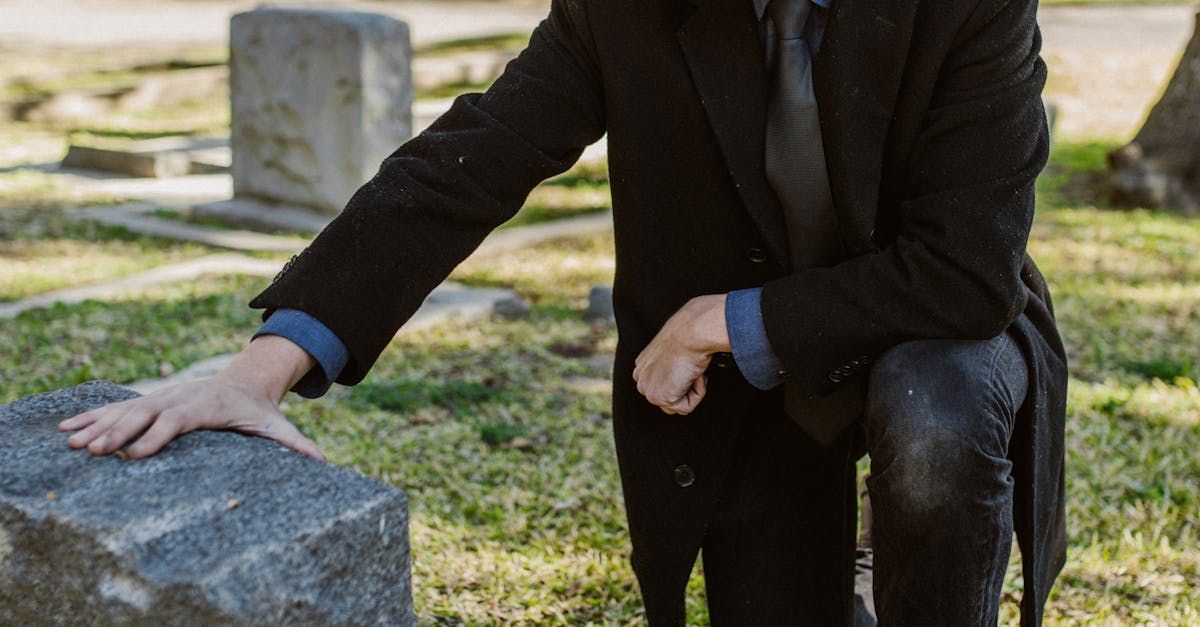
(748, 341)
(317, 340)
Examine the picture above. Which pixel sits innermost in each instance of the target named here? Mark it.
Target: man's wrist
(711, 335)
(751, 349)
(270, 365)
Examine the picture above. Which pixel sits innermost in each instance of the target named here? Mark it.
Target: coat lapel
(720, 43)
(856, 76)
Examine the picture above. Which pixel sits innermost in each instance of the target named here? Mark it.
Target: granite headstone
(218, 528)
(318, 98)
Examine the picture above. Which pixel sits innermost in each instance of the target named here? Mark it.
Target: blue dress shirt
(317, 340)
(748, 341)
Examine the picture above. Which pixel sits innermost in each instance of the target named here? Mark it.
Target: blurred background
(129, 249)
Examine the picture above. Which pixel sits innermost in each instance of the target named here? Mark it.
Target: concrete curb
(212, 264)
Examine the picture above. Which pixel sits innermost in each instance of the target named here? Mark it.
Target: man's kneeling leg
(939, 415)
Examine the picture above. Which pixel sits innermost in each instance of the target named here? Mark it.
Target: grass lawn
(500, 430)
(43, 251)
(144, 336)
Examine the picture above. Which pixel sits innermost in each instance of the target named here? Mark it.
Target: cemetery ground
(499, 430)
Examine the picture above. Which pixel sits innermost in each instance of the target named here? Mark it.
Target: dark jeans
(938, 418)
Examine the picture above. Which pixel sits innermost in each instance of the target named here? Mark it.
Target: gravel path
(1145, 28)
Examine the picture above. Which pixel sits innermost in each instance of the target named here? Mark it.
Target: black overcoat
(934, 132)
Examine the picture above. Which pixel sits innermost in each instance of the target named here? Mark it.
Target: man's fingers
(96, 429)
(683, 406)
(157, 436)
(79, 421)
(291, 437)
(120, 431)
(280, 429)
(690, 400)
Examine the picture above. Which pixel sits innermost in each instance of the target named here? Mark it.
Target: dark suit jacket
(934, 132)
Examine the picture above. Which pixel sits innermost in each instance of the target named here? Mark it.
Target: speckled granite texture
(218, 528)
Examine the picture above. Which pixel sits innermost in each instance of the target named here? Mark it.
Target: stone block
(217, 529)
(161, 157)
(131, 162)
(253, 213)
(319, 98)
(600, 304)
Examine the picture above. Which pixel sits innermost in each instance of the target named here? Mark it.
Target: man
(820, 213)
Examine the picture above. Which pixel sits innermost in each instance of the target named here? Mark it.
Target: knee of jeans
(931, 432)
(922, 475)
(948, 387)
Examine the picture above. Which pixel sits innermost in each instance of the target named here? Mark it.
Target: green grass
(581, 190)
(42, 251)
(1126, 286)
(448, 90)
(500, 430)
(504, 41)
(500, 433)
(137, 338)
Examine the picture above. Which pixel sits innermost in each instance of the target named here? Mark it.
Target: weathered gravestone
(219, 528)
(318, 99)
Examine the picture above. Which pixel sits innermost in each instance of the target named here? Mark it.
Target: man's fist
(670, 369)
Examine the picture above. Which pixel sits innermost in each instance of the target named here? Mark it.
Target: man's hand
(244, 397)
(669, 371)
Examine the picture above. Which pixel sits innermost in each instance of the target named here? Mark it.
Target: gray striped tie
(795, 168)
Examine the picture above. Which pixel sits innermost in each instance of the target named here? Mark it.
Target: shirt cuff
(317, 340)
(748, 341)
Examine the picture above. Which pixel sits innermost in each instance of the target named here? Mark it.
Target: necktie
(795, 168)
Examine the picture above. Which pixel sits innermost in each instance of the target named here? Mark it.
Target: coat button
(684, 476)
(721, 360)
(757, 255)
(835, 376)
(782, 373)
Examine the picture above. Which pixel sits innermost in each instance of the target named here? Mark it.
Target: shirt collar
(760, 6)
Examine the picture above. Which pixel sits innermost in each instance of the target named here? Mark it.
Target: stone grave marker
(318, 98)
(217, 529)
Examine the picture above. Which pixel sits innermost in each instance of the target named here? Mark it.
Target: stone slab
(193, 188)
(448, 301)
(153, 91)
(133, 163)
(161, 157)
(319, 98)
(600, 304)
(255, 214)
(223, 238)
(217, 529)
(174, 273)
(252, 213)
(455, 301)
(515, 238)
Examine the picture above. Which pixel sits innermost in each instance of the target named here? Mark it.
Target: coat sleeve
(953, 270)
(438, 195)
